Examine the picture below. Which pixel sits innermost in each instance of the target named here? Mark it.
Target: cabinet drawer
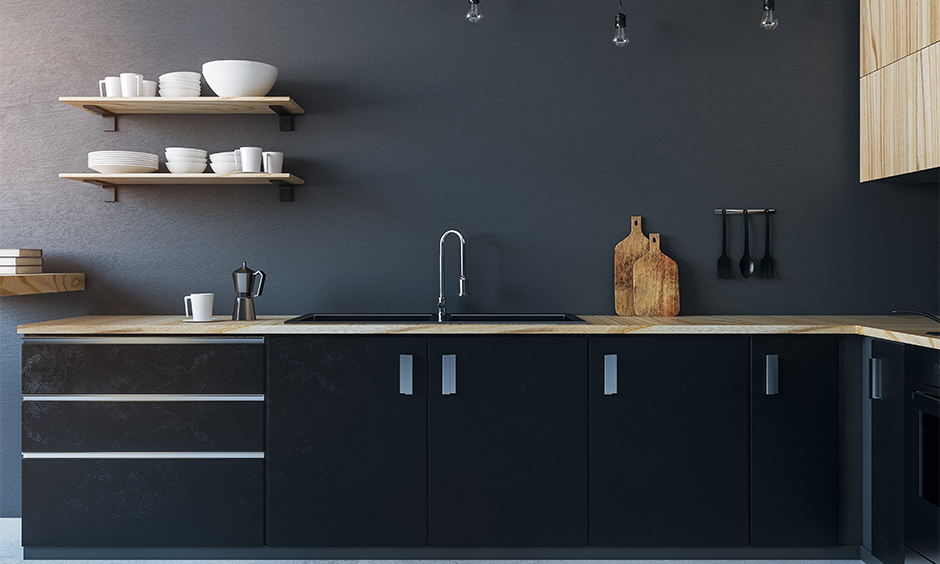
(135, 426)
(121, 366)
(155, 502)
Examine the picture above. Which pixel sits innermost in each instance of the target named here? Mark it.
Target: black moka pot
(244, 279)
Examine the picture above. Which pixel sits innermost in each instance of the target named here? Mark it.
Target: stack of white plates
(182, 160)
(116, 162)
(222, 163)
(182, 84)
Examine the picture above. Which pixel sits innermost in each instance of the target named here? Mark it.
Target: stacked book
(20, 261)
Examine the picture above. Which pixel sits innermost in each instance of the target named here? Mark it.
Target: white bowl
(186, 152)
(223, 167)
(185, 168)
(184, 81)
(186, 75)
(222, 157)
(239, 78)
(179, 93)
(170, 159)
(121, 168)
(180, 86)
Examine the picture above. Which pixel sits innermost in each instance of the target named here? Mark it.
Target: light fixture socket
(768, 5)
(478, 1)
(622, 19)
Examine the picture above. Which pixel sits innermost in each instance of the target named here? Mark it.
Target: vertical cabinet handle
(405, 374)
(448, 374)
(875, 366)
(610, 374)
(772, 375)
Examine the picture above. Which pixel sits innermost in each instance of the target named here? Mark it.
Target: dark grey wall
(529, 132)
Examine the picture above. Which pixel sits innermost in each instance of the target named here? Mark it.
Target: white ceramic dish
(121, 153)
(223, 167)
(239, 78)
(191, 320)
(183, 152)
(121, 168)
(226, 156)
(179, 93)
(186, 168)
(189, 75)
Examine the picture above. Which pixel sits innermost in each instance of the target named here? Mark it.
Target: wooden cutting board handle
(656, 283)
(626, 254)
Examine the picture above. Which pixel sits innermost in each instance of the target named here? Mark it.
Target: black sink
(381, 318)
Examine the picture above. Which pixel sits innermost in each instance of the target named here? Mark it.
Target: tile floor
(10, 551)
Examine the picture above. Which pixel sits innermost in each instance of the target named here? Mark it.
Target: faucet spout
(441, 300)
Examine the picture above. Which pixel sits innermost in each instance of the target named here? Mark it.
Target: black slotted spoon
(767, 263)
(724, 261)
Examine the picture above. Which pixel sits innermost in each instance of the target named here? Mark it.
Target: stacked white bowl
(239, 78)
(118, 162)
(181, 84)
(182, 160)
(222, 163)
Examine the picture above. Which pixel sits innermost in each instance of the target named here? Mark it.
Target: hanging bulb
(474, 16)
(620, 38)
(769, 21)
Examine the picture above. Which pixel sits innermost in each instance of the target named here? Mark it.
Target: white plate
(191, 320)
(122, 169)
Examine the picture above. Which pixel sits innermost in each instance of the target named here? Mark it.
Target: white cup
(149, 88)
(248, 159)
(131, 84)
(110, 87)
(273, 162)
(201, 306)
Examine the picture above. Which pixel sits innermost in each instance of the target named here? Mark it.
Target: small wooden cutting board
(656, 283)
(626, 254)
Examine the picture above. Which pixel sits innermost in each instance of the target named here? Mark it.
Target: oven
(922, 456)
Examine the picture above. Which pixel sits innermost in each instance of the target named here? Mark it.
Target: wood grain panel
(890, 30)
(900, 116)
(165, 178)
(196, 105)
(45, 283)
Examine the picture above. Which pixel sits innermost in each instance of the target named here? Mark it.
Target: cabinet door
(508, 447)
(347, 449)
(886, 394)
(669, 441)
(794, 441)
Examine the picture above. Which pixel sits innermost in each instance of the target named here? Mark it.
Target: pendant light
(620, 37)
(769, 21)
(474, 15)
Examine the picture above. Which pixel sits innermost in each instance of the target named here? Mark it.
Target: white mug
(131, 84)
(149, 88)
(110, 86)
(201, 306)
(273, 162)
(248, 159)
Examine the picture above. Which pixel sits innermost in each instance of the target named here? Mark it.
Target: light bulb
(769, 21)
(474, 15)
(620, 38)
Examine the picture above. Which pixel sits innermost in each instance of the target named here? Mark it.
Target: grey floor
(10, 551)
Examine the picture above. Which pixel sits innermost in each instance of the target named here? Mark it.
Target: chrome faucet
(441, 301)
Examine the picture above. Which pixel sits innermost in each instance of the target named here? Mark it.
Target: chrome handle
(771, 367)
(405, 374)
(260, 282)
(610, 374)
(448, 374)
(874, 368)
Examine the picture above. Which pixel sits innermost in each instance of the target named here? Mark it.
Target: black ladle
(747, 263)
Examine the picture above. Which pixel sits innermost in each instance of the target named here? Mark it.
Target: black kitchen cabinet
(669, 441)
(794, 441)
(347, 441)
(886, 394)
(508, 441)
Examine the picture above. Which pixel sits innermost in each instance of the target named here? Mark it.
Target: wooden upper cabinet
(900, 116)
(893, 29)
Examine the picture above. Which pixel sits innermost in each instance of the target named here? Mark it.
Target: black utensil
(724, 261)
(747, 263)
(767, 263)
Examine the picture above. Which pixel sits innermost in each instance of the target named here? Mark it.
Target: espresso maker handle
(260, 282)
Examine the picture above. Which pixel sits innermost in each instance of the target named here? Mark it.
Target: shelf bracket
(111, 196)
(287, 190)
(285, 119)
(110, 120)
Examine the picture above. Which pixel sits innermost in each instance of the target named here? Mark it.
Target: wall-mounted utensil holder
(733, 211)
(747, 265)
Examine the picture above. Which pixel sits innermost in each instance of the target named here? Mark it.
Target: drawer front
(119, 367)
(156, 502)
(135, 426)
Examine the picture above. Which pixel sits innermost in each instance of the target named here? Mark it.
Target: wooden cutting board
(626, 254)
(656, 283)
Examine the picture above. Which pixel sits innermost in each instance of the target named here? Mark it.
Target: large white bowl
(226, 167)
(186, 168)
(239, 78)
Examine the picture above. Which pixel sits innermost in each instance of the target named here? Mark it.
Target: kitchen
(529, 132)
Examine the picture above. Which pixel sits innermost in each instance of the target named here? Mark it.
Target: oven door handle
(927, 402)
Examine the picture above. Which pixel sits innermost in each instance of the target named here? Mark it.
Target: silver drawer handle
(875, 366)
(448, 374)
(610, 374)
(405, 374)
(772, 370)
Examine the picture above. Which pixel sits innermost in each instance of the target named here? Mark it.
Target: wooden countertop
(904, 329)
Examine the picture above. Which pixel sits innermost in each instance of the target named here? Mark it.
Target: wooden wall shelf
(111, 181)
(45, 283)
(110, 108)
